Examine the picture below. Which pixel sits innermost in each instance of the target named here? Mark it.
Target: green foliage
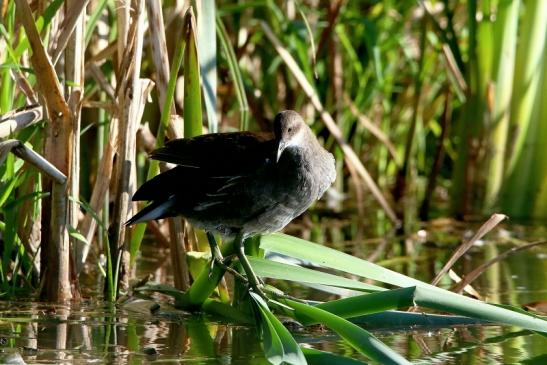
(357, 337)
(408, 69)
(279, 345)
(192, 84)
(337, 314)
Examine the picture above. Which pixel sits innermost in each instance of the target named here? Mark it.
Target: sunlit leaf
(328, 257)
(282, 271)
(413, 291)
(77, 235)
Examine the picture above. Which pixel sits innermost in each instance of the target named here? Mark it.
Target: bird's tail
(155, 210)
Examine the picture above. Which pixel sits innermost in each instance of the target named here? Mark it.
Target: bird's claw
(216, 260)
(212, 266)
(258, 289)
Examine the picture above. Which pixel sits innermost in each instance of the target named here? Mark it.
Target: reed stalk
(130, 98)
(523, 176)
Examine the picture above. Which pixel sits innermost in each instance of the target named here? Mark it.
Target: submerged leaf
(314, 356)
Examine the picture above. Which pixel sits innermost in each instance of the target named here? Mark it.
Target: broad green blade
(391, 319)
(368, 304)
(281, 271)
(458, 304)
(413, 292)
(328, 257)
(279, 346)
(354, 335)
(432, 299)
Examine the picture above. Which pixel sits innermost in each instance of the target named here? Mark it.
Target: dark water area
(95, 332)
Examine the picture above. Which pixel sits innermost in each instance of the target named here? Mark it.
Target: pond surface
(95, 332)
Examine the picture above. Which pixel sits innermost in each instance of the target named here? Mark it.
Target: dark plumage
(240, 182)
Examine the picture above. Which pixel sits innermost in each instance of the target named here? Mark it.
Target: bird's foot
(258, 288)
(223, 263)
(216, 259)
(257, 285)
(216, 255)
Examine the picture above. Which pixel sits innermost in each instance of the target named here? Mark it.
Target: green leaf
(226, 312)
(328, 257)
(279, 345)
(355, 336)
(192, 90)
(391, 318)
(34, 196)
(368, 303)
(89, 210)
(459, 304)
(8, 190)
(197, 262)
(414, 292)
(93, 19)
(77, 235)
(282, 271)
(42, 22)
(154, 167)
(235, 73)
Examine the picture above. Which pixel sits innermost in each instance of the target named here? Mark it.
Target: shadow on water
(137, 332)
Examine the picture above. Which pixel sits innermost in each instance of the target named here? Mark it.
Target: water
(94, 332)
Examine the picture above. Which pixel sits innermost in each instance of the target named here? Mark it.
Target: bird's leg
(218, 259)
(216, 255)
(253, 280)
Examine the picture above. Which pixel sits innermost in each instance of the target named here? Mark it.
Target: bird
(239, 184)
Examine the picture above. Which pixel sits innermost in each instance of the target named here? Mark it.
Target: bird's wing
(210, 167)
(190, 190)
(219, 154)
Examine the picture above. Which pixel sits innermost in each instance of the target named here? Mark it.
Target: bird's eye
(289, 130)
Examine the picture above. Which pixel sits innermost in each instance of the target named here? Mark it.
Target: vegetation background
(432, 108)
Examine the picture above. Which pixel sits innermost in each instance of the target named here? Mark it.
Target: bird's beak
(280, 149)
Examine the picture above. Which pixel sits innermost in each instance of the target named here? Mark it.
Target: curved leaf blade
(282, 271)
(355, 336)
(279, 345)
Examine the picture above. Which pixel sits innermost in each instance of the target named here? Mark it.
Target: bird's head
(289, 129)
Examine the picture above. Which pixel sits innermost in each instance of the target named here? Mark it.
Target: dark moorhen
(240, 184)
